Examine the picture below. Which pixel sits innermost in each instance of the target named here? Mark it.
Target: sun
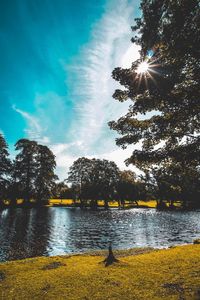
(143, 67)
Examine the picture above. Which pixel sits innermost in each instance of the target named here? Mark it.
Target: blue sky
(56, 59)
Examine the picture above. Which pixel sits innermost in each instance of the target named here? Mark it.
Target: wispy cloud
(93, 88)
(110, 47)
(83, 130)
(34, 129)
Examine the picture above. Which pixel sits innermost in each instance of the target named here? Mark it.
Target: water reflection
(53, 231)
(24, 233)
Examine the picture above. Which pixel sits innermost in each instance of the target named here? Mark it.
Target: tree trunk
(93, 204)
(13, 201)
(106, 204)
(119, 203)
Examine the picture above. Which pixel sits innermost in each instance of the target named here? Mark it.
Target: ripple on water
(55, 231)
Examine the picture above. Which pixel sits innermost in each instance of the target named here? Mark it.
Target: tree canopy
(94, 178)
(33, 174)
(165, 112)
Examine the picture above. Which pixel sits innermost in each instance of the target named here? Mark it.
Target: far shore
(100, 204)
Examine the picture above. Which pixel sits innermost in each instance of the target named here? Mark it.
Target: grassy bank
(171, 274)
(112, 204)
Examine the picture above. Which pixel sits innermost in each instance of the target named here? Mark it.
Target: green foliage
(33, 171)
(173, 182)
(164, 116)
(127, 188)
(25, 167)
(45, 179)
(94, 179)
(62, 191)
(168, 93)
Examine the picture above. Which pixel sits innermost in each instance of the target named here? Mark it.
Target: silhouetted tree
(127, 187)
(167, 93)
(62, 191)
(16, 186)
(5, 168)
(26, 167)
(79, 175)
(105, 178)
(45, 176)
(174, 182)
(95, 179)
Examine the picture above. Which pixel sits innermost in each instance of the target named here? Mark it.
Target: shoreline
(103, 252)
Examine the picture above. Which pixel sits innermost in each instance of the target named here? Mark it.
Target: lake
(58, 230)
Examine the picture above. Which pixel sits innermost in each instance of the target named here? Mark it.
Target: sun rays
(145, 70)
(142, 67)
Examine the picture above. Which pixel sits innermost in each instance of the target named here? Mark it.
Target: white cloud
(84, 131)
(110, 47)
(130, 55)
(34, 129)
(65, 157)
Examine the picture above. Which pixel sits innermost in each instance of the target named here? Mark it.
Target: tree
(165, 89)
(173, 182)
(79, 174)
(33, 172)
(62, 191)
(105, 179)
(16, 186)
(127, 187)
(95, 179)
(26, 167)
(45, 178)
(5, 168)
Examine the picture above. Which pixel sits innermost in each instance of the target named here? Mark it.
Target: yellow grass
(171, 274)
(112, 204)
(61, 201)
(20, 201)
(150, 204)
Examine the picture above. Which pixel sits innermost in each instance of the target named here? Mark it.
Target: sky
(56, 60)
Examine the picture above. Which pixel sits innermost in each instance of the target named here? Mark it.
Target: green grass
(171, 274)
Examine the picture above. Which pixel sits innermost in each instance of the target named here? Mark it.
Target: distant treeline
(31, 177)
(101, 179)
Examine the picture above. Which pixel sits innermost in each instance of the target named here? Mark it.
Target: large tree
(79, 176)
(173, 182)
(5, 168)
(127, 187)
(105, 179)
(26, 167)
(163, 85)
(33, 172)
(45, 178)
(95, 179)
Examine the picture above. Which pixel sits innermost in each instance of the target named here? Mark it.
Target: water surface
(54, 231)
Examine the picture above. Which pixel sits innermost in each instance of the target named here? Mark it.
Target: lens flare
(143, 67)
